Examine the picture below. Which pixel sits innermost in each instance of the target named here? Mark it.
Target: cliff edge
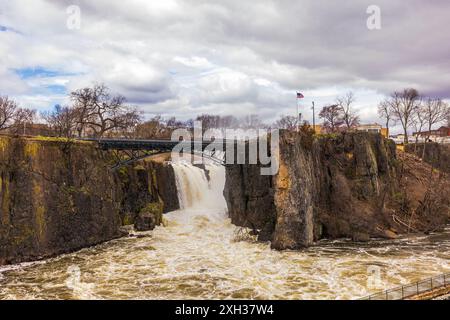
(349, 185)
(59, 196)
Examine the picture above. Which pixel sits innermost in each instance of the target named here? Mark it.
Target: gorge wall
(436, 154)
(346, 185)
(58, 197)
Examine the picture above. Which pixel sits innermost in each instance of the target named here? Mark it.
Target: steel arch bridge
(128, 151)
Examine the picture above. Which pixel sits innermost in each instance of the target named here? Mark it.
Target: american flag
(300, 96)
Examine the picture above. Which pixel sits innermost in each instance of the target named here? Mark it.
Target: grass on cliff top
(159, 158)
(327, 135)
(57, 139)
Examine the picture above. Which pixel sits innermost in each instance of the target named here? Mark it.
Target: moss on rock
(149, 217)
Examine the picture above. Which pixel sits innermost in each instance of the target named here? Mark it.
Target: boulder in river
(149, 217)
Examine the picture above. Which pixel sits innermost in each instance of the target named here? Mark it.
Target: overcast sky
(186, 57)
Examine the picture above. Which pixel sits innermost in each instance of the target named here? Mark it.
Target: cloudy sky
(186, 57)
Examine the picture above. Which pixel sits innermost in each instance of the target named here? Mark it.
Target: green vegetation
(154, 208)
(31, 149)
(127, 219)
(58, 139)
(332, 135)
(139, 167)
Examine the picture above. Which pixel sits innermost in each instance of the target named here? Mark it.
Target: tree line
(407, 107)
(414, 111)
(95, 112)
(13, 118)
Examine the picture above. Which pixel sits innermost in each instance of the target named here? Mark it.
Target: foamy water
(199, 254)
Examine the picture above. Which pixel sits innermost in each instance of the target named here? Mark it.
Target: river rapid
(199, 254)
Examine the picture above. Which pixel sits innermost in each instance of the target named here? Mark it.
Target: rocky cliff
(346, 185)
(58, 197)
(436, 154)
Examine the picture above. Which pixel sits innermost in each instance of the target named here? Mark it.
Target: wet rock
(149, 217)
(389, 234)
(361, 237)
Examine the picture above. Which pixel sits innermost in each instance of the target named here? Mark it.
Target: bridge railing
(409, 290)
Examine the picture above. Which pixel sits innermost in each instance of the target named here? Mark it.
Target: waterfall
(200, 189)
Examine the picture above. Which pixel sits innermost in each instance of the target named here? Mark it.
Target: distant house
(442, 132)
(374, 127)
(400, 138)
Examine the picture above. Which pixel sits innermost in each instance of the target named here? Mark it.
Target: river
(199, 254)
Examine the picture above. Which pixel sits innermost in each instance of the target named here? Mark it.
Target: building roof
(369, 125)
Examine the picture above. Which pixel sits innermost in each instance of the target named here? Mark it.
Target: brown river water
(199, 254)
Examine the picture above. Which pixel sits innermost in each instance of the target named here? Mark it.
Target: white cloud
(183, 57)
(194, 62)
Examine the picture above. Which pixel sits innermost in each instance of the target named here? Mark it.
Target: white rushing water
(200, 189)
(200, 254)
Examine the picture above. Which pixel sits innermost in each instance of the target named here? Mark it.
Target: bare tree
(82, 103)
(97, 110)
(448, 115)
(403, 105)
(332, 117)
(7, 109)
(252, 121)
(418, 121)
(151, 129)
(349, 116)
(175, 124)
(62, 120)
(434, 111)
(208, 121)
(227, 122)
(22, 118)
(129, 122)
(13, 118)
(287, 122)
(385, 111)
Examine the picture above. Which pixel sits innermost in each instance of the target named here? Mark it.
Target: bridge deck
(128, 144)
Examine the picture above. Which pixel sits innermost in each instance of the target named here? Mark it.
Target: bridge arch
(128, 151)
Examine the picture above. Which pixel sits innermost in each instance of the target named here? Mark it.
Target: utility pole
(298, 115)
(314, 117)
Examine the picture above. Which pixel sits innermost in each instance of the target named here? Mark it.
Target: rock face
(149, 217)
(436, 154)
(345, 185)
(250, 198)
(58, 197)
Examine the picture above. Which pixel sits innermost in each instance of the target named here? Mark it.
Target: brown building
(442, 132)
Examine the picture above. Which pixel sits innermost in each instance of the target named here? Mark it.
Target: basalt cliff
(349, 185)
(435, 154)
(59, 196)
